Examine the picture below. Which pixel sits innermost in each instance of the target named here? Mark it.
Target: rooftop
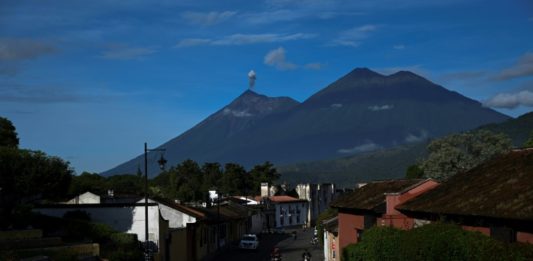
(499, 188)
(372, 195)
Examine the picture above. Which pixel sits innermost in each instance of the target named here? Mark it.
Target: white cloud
(209, 18)
(277, 59)
(510, 100)
(368, 146)
(121, 52)
(354, 36)
(414, 138)
(336, 105)
(522, 68)
(239, 114)
(244, 39)
(399, 46)
(314, 66)
(381, 107)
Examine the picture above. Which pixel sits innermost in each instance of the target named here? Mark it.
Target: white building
(289, 211)
(319, 197)
(127, 218)
(85, 198)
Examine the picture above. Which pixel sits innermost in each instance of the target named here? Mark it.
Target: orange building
(374, 204)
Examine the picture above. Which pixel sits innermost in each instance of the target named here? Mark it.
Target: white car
(249, 241)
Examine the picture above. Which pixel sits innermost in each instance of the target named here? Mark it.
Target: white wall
(284, 208)
(128, 219)
(85, 198)
(176, 218)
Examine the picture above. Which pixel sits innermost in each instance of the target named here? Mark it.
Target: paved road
(291, 249)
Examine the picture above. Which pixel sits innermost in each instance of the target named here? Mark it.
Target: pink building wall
(394, 218)
(524, 237)
(348, 226)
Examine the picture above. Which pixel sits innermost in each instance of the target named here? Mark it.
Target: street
(291, 249)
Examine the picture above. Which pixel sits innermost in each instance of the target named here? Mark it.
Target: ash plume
(251, 79)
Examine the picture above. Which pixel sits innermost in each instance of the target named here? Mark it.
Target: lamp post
(162, 161)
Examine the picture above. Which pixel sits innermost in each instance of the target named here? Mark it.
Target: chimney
(265, 190)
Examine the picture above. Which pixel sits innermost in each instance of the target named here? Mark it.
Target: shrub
(433, 242)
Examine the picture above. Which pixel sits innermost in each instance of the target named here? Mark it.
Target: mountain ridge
(361, 111)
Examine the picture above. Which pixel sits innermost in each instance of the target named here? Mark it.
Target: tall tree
(88, 182)
(235, 180)
(263, 173)
(189, 181)
(212, 172)
(461, 152)
(8, 134)
(26, 176)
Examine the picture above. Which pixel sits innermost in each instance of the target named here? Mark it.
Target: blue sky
(91, 81)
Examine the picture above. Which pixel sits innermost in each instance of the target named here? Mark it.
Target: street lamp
(162, 161)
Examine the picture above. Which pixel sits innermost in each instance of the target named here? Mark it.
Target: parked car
(249, 241)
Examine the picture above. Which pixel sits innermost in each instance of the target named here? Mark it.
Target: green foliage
(29, 175)
(265, 172)
(414, 172)
(325, 215)
(190, 182)
(235, 180)
(529, 141)
(113, 245)
(126, 184)
(88, 182)
(461, 152)
(8, 134)
(432, 242)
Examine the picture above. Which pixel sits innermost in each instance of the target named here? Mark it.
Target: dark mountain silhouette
(389, 163)
(362, 111)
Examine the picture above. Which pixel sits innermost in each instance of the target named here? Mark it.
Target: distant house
(319, 196)
(373, 204)
(289, 211)
(495, 198)
(85, 198)
(331, 239)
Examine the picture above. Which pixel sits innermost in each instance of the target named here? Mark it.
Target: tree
(187, 180)
(529, 141)
(8, 134)
(414, 172)
(462, 152)
(263, 173)
(212, 172)
(126, 184)
(235, 180)
(88, 182)
(27, 175)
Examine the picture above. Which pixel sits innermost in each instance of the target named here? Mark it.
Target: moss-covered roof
(372, 194)
(499, 188)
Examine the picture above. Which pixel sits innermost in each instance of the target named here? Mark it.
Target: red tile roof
(285, 199)
(372, 195)
(499, 188)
